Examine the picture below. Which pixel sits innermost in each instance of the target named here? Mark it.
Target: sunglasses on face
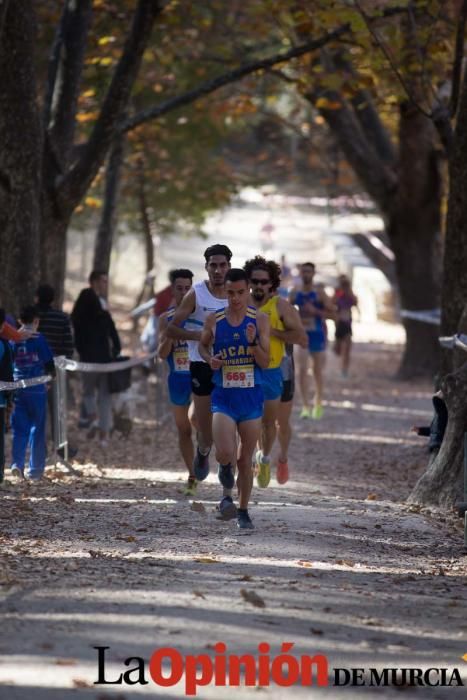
(263, 282)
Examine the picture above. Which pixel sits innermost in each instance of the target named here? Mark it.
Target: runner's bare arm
(206, 340)
(292, 296)
(165, 344)
(294, 331)
(330, 309)
(261, 350)
(181, 314)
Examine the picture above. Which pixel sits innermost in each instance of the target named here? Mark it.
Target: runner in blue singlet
(313, 306)
(179, 377)
(235, 343)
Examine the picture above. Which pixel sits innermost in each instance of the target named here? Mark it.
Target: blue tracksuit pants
(28, 427)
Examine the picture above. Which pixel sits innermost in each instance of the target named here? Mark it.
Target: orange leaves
(325, 103)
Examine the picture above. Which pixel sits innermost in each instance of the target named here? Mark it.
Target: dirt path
(339, 565)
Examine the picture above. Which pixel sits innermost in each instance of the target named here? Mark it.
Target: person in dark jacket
(96, 340)
(55, 326)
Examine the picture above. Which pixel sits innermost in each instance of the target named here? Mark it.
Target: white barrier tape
(431, 316)
(24, 383)
(74, 366)
(454, 341)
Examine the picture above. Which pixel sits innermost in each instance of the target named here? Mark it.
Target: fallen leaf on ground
(207, 560)
(314, 630)
(372, 497)
(199, 594)
(80, 683)
(65, 662)
(198, 507)
(306, 564)
(253, 598)
(345, 562)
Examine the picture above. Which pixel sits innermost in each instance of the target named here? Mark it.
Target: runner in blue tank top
(179, 377)
(235, 343)
(313, 306)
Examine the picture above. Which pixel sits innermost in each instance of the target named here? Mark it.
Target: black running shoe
(227, 508)
(244, 521)
(201, 465)
(226, 475)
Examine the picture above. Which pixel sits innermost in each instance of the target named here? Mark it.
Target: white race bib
(238, 376)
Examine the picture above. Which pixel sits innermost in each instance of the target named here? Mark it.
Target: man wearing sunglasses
(286, 327)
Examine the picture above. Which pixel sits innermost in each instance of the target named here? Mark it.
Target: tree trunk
(441, 484)
(148, 284)
(414, 232)
(54, 227)
(106, 230)
(20, 159)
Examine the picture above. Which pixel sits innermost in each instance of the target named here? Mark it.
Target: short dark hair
(96, 274)
(236, 274)
(180, 273)
(217, 249)
(45, 294)
(2, 316)
(269, 266)
(28, 314)
(309, 264)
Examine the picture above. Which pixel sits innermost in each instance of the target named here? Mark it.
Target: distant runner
(179, 377)
(235, 343)
(344, 300)
(313, 306)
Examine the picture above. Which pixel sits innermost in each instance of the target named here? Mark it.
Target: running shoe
(225, 474)
(305, 413)
(263, 474)
(190, 488)
(201, 465)
(317, 412)
(244, 521)
(282, 472)
(227, 508)
(16, 472)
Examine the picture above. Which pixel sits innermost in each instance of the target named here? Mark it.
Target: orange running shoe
(282, 473)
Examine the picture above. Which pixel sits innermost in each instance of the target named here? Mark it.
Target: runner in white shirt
(203, 299)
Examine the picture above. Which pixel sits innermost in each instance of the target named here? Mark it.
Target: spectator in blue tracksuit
(31, 358)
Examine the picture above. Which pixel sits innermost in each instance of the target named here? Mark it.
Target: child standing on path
(31, 358)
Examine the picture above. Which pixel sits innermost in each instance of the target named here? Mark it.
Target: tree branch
(232, 76)
(64, 75)
(390, 60)
(73, 186)
(458, 58)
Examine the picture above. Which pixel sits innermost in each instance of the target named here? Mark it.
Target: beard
(258, 294)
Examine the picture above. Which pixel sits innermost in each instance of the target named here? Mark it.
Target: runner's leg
(284, 433)
(303, 355)
(249, 432)
(184, 435)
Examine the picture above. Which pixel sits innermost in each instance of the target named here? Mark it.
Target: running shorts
(316, 341)
(272, 383)
(179, 385)
(201, 378)
(343, 329)
(239, 404)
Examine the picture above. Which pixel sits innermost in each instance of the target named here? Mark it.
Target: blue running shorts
(179, 384)
(316, 341)
(272, 383)
(239, 404)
